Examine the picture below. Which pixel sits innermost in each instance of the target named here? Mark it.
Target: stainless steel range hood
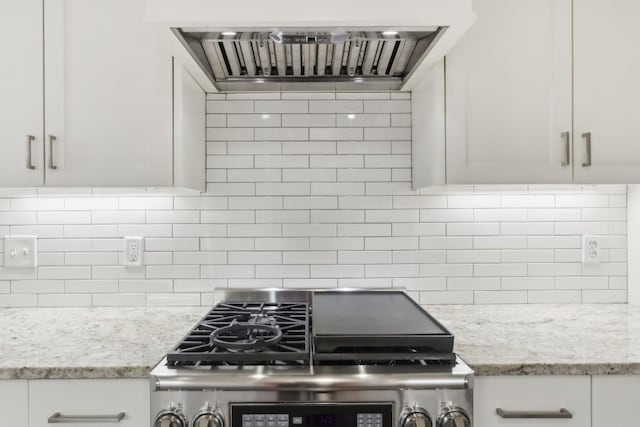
(308, 59)
(293, 45)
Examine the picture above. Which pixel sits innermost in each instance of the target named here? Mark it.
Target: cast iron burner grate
(246, 333)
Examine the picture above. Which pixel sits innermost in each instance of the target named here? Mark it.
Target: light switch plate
(592, 249)
(20, 251)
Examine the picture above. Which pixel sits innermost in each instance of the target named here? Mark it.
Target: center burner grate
(246, 333)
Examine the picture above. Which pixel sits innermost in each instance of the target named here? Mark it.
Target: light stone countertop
(89, 342)
(493, 339)
(567, 339)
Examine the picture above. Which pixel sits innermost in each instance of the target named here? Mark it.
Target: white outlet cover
(133, 251)
(592, 247)
(20, 251)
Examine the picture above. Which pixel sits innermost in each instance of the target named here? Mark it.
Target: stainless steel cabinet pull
(561, 414)
(52, 139)
(60, 418)
(587, 141)
(30, 139)
(567, 149)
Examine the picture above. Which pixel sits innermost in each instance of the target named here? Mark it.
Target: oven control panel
(311, 414)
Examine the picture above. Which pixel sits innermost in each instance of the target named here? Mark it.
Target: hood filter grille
(234, 61)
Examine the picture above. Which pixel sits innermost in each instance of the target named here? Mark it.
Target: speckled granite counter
(89, 342)
(534, 339)
(494, 340)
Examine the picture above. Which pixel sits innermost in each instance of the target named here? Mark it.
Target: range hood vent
(320, 59)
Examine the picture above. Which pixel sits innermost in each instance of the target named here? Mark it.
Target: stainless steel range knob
(171, 418)
(208, 418)
(453, 416)
(415, 417)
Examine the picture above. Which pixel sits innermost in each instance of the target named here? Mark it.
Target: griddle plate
(370, 325)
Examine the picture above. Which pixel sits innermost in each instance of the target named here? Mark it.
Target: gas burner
(249, 332)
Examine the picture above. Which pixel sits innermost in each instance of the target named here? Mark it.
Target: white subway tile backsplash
(314, 202)
(364, 147)
(283, 162)
(281, 134)
(283, 106)
(342, 161)
(282, 243)
(308, 120)
(240, 149)
(364, 120)
(310, 257)
(336, 107)
(500, 297)
(253, 120)
(281, 216)
(309, 147)
(308, 175)
(285, 188)
(527, 283)
(364, 257)
(555, 297)
(336, 134)
(230, 107)
(313, 190)
(387, 134)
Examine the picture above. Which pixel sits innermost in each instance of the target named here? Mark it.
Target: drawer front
(94, 398)
(14, 403)
(522, 396)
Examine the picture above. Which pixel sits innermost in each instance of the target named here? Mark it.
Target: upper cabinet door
(607, 91)
(508, 95)
(21, 89)
(108, 95)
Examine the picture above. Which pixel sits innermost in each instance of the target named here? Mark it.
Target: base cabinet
(14, 403)
(615, 400)
(90, 403)
(519, 397)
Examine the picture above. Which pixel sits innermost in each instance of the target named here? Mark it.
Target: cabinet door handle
(567, 149)
(560, 414)
(52, 165)
(30, 139)
(57, 417)
(587, 141)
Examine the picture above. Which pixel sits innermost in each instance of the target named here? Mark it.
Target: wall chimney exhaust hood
(297, 45)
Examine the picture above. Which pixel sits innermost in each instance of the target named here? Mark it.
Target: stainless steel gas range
(281, 358)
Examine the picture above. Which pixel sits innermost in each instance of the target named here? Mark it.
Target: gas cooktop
(322, 328)
(292, 358)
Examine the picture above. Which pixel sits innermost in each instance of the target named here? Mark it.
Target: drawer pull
(561, 414)
(61, 418)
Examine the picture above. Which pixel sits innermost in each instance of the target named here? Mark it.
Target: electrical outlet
(591, 249)
(133, 250)
(20, 251)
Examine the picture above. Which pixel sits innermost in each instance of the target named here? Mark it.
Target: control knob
(453, 416)
(208, 418)
(415, 417)
(173, 417)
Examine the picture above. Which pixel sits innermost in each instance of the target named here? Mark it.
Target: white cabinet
(73, 399)
(21, 88)
(615, 400)
(14, 403)
(519, 396)
(607, 90)
(508, 86)
(190, 131)
(108, 95)
(528, 87)
(88, 88)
